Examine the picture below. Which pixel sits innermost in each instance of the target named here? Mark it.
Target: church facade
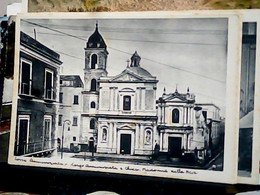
(188, 129)
(127, 111)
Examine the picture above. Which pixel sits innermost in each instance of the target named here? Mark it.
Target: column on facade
(141, 141)
(137, 98)
(137, 132)
(183, 115)
(114, 136)
(161, 110)
(161, 141)
(159, 114)
(116, 98)
(164, 113)
(187, 115)
(143, 99)
(110, 135)
(190, 115)
(184, 140)
(111, 98)
(99, 133)
(155, 137)
(188, 141)
(165, 144)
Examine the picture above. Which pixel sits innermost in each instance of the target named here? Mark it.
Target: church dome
(96, 40)
(140, 71)
(136, 68)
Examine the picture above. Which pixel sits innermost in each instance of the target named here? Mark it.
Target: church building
(127, 111)
(187, 129)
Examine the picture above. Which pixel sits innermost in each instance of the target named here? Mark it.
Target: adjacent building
(70, 110)
(38, 93)
(187, 129)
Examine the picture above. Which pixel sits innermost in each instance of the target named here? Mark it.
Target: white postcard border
(229, 173)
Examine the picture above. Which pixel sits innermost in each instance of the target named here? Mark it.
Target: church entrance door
(125, 144)
(174, 147)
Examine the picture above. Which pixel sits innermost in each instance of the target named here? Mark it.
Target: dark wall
(38, 76)
(6, 112)
(4, 142)
(37, 110)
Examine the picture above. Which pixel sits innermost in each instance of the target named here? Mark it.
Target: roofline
(143, 81)
(55, 57)
(207, 104)
(80, 80)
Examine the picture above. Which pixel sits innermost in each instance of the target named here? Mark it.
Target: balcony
(49, 95)
(42, 148)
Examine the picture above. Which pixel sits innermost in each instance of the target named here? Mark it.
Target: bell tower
(95, 67)
(95, 60)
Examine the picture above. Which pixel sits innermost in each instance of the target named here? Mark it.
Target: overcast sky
(179, 52)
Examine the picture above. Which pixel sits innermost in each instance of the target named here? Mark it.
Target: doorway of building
(125, 144)
(22, 137)
(174, 147)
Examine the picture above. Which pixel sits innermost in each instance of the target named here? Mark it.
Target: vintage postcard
(151, 94)
(248, 161)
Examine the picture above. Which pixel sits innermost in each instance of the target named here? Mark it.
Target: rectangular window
(76, 99)
(48, 89)
(47, 132)
(127, 103)
(60, 120)
(200, 154)
(75, 121)
(22, 135)
(204, 113)
(25, 77)
(74, 139)
(61, 97)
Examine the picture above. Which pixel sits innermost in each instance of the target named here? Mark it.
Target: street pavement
(214, 164)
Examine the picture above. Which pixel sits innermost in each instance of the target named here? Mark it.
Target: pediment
(127, 77)
(126, 127)
(175, 98)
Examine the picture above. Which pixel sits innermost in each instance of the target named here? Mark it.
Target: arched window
(104, 135)
(92, 124)
(93, 61)
(93, 86)
(92, 105)
(127, 102)
(175, 115)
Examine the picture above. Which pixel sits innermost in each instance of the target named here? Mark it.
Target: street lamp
(62, 138)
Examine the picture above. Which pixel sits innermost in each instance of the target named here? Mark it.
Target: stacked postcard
(152, 94)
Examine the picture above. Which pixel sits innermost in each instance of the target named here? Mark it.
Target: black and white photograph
(98, 93)
(247, 94)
